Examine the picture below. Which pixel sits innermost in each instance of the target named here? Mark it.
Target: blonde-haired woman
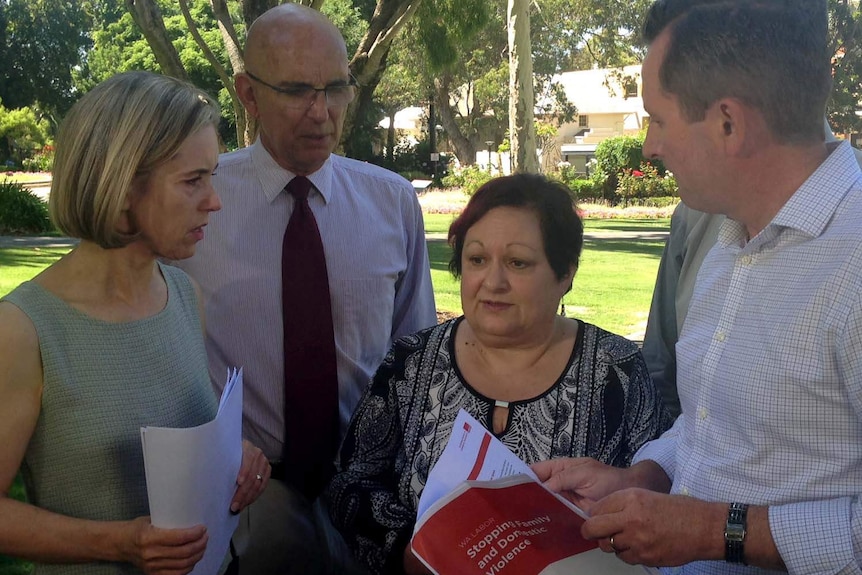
(108, 339)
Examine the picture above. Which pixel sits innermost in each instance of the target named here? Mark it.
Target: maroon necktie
(310, 377)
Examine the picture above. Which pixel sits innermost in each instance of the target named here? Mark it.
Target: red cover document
(510, 525)
(487, 514)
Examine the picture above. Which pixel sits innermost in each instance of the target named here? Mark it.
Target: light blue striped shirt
(770, 376)
(379, 278)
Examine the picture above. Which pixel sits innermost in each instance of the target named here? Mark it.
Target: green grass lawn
(21, 264)
(612, 288)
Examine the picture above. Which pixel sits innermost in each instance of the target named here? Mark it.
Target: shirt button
(720, 336)
(702, 413)
(683, 491)
(746, 260)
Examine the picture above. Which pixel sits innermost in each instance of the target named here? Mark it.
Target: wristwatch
(734, 533)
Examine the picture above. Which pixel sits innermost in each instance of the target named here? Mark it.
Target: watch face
(734, 532)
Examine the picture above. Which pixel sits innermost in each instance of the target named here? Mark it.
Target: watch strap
(734, 533)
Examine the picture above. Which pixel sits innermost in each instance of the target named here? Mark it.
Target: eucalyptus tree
(522, 130)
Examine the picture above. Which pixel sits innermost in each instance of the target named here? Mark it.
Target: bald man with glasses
(297, 85)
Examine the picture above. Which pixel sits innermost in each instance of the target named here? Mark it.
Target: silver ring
(613, 547)
(259, 477)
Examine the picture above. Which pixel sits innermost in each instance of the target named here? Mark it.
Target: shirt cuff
(662, 450)
(816, 537)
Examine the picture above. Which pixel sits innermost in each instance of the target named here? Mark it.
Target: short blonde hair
(121, 130)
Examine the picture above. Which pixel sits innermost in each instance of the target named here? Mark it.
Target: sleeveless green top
(103, 381)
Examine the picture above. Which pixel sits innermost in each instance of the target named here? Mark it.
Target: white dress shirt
(770, 376)
(379, 279)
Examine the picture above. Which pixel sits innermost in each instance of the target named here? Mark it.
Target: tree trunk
(369, 61)
(251, 9)
(246, 126)
(226, 80)
(521, 103)
(464, 148)
(148, 17)
(390, 137)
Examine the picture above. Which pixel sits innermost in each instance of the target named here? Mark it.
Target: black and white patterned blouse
(603, 405)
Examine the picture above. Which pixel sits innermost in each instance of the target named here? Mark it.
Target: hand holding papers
(191, 474)
(484, 512)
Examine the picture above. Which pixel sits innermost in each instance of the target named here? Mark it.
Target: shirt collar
(812, 205)
(273, 178)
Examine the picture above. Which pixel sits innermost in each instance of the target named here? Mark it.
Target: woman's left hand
(252, 478)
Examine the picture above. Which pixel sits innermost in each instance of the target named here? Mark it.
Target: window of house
(583, 121)
(631, 89)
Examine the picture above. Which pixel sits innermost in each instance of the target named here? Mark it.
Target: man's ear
(246, 95)
(733, 124)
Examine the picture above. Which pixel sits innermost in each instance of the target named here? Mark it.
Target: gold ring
(613, 547)
(259, 477)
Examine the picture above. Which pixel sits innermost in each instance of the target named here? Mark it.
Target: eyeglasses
(303, 96)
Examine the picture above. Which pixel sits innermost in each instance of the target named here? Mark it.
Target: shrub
(584, 189)
(616, 155)
(468, 178)
(42, 161)
(645, 182)
(22, 211)
(22, 132)
(580, 188)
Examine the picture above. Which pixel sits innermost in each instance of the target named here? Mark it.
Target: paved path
(36, 242)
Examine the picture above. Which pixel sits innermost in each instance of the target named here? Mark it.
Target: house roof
(600, 91)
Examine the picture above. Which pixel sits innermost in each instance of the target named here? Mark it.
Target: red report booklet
(509, 524)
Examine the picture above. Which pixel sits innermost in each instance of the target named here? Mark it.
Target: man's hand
(656, 529)
(584, 480)
(581, 480)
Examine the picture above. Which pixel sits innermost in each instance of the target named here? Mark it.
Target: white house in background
(408, 123)
(609, 104)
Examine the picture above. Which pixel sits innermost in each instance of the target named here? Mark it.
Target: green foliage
(42, 161)
(22, 211)
(443, 26)
(619, 153)
(468, 178)
(22, 134)
(644, 182)
(581, 188)
(578, 34)
(845, 35)
(616, 155)
(41, 42)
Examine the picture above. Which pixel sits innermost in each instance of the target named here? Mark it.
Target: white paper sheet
(191, 474)
(471, 453)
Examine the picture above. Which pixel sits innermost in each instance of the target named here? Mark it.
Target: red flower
(637, 173)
